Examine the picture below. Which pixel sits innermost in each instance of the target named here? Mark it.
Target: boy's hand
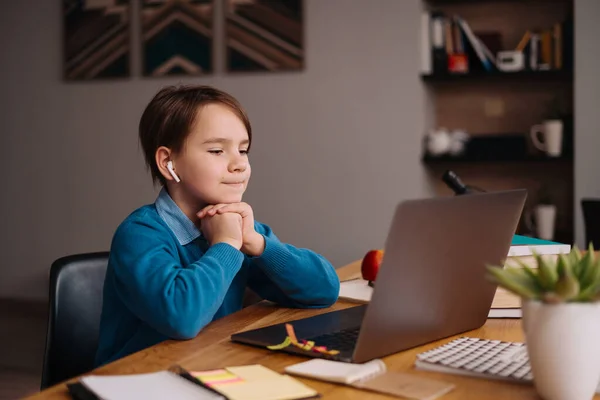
(253, 243)
(222, 228)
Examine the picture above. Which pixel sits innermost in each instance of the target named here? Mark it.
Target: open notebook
(152, 386)
(249, 382)
(372, 376)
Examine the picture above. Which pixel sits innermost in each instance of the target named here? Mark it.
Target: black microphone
(453, 182)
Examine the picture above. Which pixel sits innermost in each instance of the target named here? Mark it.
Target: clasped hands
(232, 224)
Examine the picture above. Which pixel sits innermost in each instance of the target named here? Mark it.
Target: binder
(439, 55)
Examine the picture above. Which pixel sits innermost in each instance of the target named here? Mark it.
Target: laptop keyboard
(344, 340)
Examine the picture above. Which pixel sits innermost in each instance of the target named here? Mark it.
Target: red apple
(370, 265)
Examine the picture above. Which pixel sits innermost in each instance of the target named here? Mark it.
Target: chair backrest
(76, 284)
(591, 220)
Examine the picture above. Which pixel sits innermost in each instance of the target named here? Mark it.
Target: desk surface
(213, 349)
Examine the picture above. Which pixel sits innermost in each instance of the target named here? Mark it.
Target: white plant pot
(564, 348)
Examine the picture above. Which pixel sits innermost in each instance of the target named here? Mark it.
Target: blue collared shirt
(182, 227)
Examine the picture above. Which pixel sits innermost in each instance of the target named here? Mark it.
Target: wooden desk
(213, 349)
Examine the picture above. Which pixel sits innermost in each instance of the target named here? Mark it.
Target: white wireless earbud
(172, 171)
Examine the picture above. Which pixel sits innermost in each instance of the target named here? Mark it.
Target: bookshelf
(490, 104)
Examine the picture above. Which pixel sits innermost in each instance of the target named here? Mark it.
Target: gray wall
(336, 146)
(587, 106)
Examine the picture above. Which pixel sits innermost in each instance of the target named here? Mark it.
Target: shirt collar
(184, 229)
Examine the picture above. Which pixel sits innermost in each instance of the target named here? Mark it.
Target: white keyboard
(491, 359)
(479, 357)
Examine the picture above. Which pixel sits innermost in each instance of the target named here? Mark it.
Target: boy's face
(213, 164)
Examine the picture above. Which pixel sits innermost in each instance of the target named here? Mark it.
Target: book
(523, 42)
(249, 382)
(426, 56)
(476, 45)
(557, 44)
(372, 376)
(439, 57)
(525, 246)
(505, 305)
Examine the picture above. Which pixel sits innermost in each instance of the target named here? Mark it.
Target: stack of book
(506, 304)
(449, 45)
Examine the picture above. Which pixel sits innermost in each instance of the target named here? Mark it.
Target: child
(185, 260)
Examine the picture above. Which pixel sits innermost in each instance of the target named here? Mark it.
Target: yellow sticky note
(217, 377)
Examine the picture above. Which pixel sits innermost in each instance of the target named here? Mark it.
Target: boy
(185, 260)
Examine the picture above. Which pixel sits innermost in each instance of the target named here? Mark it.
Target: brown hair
(168, 119)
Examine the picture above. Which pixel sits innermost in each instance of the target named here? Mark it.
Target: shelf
(453, 2)
(445, 159)
(532, 76)
(497, 148)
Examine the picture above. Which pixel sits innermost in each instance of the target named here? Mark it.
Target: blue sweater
(164, 280)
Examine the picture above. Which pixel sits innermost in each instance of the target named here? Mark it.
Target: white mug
(542, 221)
(552, 131)
(438, 142)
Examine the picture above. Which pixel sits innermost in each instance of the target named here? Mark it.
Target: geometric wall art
(264, 35)
(96, 39)
(176, 37)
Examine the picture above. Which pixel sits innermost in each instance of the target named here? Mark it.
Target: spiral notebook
(150, 386)
(372, 376)
(246, 382)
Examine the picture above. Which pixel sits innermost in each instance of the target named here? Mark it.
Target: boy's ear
(162, 157)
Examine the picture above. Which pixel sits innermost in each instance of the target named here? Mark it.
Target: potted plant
(561, 321)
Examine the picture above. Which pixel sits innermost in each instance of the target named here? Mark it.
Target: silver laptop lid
(432, 283)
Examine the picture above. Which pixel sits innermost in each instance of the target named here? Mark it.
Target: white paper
(356, 290)
(152, 386)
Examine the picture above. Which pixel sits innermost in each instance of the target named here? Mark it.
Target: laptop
(431, 284)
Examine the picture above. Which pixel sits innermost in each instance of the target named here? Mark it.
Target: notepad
(356, 290)
(254, 382)
(372, 376)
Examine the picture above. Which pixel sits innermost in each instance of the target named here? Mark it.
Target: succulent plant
(571, 277)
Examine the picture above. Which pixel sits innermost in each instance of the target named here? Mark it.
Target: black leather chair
(76, 284)
(591, 220)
